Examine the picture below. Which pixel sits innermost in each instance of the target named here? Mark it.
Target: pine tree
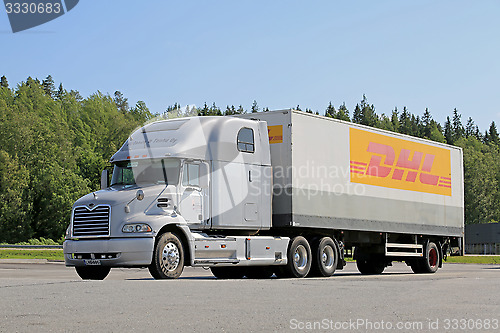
(60, 92)
(415, 126)
(3, 82)
(255, 107)
(204, 111)
(240, 110)
(370, 117)
(385, 123)
(492, 135)
(357, 116)
(76, 95)
(48, 86)
(298, 108)
(395, 120)
(448, 131)
(405, 122)
(470, 128)
(330, 111)
(458, 128)
(427, 124)
(230, 110)
(343, 113)
(214, 110)
(121, 102)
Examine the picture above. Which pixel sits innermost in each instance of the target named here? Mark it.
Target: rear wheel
(168, 257)
(430, 263)
(325, 257)
(228, 272)
(299, 259)
(93, 272)
(369, 264)
(370, 267)
(416, 266)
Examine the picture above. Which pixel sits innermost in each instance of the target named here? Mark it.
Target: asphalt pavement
(52, 298)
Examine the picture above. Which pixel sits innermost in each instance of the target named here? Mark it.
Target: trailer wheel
(370, 267)
(228, 272)
(93, 272)
(325, 257)
(168, 257)
(416, 266)
(299, 259)
(430, 263)
(369, 264)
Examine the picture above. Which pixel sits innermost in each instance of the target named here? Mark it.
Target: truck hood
(121, 195)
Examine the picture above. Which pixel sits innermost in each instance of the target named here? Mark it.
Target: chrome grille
(91, 222)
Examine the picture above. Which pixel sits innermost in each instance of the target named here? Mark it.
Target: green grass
(474, 259)
(55, 254)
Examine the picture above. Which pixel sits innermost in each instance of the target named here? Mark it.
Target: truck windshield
(146, 172)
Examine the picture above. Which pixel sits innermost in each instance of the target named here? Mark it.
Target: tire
(370, 267)
(259, 272)
(168, 257)
(299, 259)
(325, 257)
(228, 272)
(416, 266)
(93, 272)
(430, 263)
(369, 264)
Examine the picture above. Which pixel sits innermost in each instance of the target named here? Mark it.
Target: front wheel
(93, 272)
(168, 257)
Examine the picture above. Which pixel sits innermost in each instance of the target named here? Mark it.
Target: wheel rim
(300, 257)
(327, 257)
(433, 258)
(170, 257)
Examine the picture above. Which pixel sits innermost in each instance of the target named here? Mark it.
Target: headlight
(137, 227)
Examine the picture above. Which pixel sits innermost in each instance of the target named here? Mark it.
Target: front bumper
(114, 252)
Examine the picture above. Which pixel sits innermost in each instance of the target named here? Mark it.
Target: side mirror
(104, 179)
(204, 175)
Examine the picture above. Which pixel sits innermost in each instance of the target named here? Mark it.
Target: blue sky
(436, 54)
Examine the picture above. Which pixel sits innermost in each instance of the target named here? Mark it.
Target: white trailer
(282, 192)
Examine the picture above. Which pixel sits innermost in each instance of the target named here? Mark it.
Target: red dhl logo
(396, 163)
(275, 134)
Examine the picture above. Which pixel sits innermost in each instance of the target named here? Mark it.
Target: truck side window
(245, 140)
(191, 175)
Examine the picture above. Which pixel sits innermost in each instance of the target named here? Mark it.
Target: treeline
(54, 143)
